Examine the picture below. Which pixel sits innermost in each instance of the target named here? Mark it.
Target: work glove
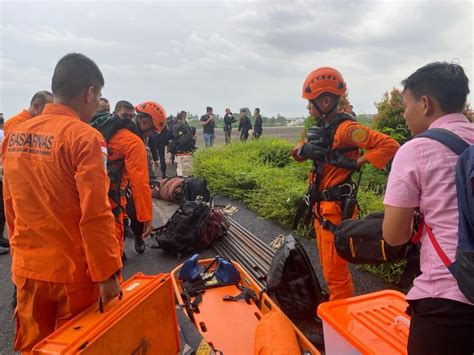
(311, 150)
(339, 160)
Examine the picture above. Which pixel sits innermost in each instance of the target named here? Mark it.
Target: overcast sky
(191, 54)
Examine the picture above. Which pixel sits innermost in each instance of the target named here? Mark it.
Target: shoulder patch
(358, 135)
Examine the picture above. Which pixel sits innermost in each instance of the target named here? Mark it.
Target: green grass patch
(263, 175)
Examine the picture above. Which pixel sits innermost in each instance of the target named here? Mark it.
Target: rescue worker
(126, 111)
(64, 250)
(104, 105)
(37, 104)
(127, 165)
(333, 145)
(150, 119)
(257, 125)
(245, 125)
(4, 243)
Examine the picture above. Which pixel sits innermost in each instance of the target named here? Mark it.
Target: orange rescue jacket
(55, 190)
(379, 149)
(15, 120)
(129, 147)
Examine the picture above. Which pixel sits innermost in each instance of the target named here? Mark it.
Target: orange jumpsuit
(15, 120)
(59, 220)
(127, 146)
(379, 149)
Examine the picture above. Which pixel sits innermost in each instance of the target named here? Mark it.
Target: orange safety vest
(128, 149)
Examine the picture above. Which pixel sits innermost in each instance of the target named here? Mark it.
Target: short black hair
(257, 109)
(123, 104)
(73, 74)
(446, 82)
(40, 97)
(208, 108)
(104, 99)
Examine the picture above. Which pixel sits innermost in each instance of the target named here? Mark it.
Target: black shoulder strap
(448, 138)
(333, 126)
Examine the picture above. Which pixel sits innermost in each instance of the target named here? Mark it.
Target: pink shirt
(423, 175)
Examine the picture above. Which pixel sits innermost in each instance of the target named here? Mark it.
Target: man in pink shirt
(423, 176)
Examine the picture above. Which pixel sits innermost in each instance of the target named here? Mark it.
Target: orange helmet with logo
(156, 112)
(323, 80)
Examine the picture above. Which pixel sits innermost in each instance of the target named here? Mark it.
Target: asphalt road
(155, 261)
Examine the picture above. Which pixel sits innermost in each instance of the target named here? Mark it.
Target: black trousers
(441, 326)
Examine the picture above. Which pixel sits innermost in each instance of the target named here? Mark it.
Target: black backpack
(193, 226)
(292, 282)
(108, 125)
(196, 188)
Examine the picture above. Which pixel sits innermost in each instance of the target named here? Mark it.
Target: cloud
(231, 54)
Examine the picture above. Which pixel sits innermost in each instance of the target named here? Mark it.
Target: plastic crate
(375, 323)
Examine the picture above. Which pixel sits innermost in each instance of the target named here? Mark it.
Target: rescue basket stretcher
(228, 325)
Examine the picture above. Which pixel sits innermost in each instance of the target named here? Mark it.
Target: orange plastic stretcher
(230, 327)
(142, 322)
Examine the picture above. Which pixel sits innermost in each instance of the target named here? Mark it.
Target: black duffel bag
(360, 241)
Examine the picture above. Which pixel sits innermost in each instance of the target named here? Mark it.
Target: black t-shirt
(228, 120)
(245, 125)
(209, 128)
(258, 124)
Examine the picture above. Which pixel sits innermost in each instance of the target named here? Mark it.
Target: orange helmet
(156, 112)
(323, 80)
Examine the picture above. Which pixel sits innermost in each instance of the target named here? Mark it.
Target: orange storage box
(142, 322)
(375, 323)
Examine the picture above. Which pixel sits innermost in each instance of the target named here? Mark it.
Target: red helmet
(323, 80)
(156, 112)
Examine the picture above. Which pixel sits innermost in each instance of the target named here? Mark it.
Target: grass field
(293, 134)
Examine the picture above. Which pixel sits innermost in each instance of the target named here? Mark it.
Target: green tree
(344, 103)
(389, 118)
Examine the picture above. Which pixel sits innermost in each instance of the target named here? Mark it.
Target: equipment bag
(192, 227)
(463, 266)
(171, 189)
(292, 282)
(360, 241)
(196, 188)
(275, 334)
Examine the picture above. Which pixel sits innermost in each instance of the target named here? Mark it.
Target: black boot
(139, 244)
(127, 231)
(4, 243)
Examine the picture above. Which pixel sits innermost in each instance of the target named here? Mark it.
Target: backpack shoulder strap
(448, 138)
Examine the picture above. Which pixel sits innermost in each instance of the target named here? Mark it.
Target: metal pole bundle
(245, 248)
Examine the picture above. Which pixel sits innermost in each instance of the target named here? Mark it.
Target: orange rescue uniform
(379, 150)
(127, 147)
(15, 120)
(59, 220)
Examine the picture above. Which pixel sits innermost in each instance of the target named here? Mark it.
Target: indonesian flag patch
(103, 147)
